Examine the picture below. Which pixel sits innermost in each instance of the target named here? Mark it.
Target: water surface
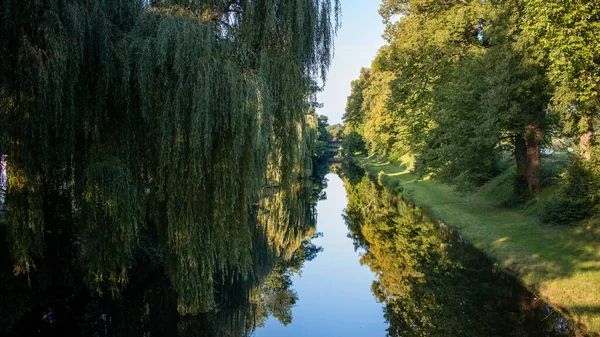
(334, 289)
(380, 266)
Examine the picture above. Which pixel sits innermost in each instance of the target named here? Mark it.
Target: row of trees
(460, 83)
(157, 127)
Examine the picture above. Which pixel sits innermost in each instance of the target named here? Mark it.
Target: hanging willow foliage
(110, 201)
(165, 119)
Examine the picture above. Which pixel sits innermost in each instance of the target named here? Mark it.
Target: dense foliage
(158, 127)
(461, 85)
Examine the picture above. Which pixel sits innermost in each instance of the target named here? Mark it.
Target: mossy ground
(561, 265)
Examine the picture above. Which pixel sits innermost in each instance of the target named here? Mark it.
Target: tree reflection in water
(58, 303)
(430, 282)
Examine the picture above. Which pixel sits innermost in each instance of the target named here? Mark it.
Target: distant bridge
(335, 160)
(334, 144)
(2, 183)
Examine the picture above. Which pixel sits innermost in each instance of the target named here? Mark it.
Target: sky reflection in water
(334, 291)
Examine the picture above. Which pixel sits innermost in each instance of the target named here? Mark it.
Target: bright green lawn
(560, 265)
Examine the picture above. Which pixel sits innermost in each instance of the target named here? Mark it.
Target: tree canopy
(128, 122)
(460, 85)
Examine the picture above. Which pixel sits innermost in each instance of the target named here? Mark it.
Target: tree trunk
(533, 138)
(587, 138)
(521, 161)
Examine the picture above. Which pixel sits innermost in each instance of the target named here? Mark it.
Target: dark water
(380, 266)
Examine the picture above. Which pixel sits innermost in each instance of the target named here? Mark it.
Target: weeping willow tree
(162, 121)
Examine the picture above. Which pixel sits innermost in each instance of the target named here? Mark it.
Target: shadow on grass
(589, 309)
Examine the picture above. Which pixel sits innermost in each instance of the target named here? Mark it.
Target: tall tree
(565, 35)
(460, 78)
(518, 93)
(354, 116)
(160, 121)
(428, 38)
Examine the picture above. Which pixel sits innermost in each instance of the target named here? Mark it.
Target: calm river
(428, 282)
(379, 266)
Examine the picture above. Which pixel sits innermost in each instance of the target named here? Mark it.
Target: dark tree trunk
(533, 138)
(521, 161)
(587, 138)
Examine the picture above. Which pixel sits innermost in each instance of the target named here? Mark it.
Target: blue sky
(356, 45)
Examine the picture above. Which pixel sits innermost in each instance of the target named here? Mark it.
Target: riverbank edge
(546, 260)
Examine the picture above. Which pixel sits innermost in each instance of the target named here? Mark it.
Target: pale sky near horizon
(356, 45)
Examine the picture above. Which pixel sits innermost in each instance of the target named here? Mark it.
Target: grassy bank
(559, 264)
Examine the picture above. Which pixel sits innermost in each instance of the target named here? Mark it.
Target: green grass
(559, 265)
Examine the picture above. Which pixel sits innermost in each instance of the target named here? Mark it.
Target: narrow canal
(377, 267)
(334, 289)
